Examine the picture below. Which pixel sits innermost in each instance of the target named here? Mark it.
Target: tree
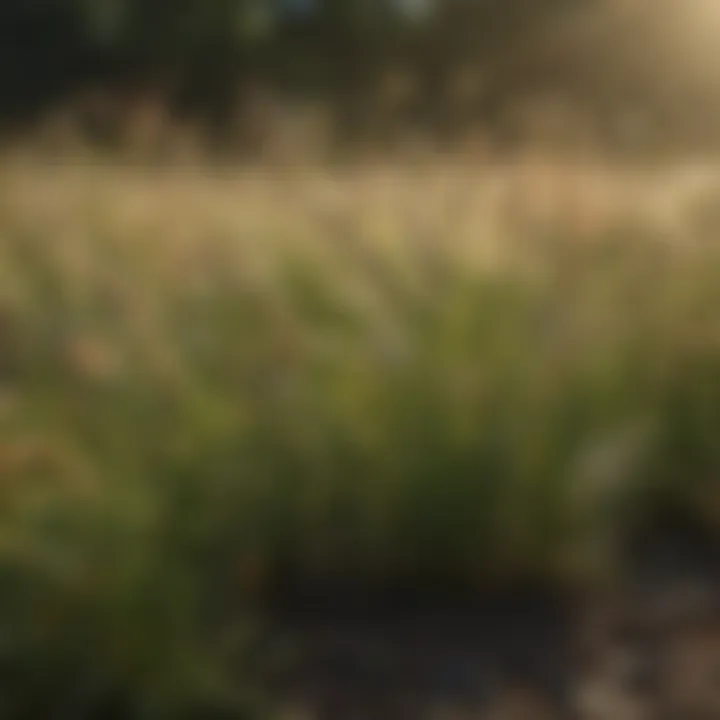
(202, 50)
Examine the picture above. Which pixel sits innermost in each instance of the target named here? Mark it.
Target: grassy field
(209, 383)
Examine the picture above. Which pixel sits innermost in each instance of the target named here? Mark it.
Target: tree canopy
(48, 47)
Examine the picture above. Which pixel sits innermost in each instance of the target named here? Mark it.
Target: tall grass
(209, 384)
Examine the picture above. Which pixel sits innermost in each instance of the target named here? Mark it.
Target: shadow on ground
(651, 650)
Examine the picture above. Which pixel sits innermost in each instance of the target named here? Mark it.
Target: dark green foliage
(200, 51)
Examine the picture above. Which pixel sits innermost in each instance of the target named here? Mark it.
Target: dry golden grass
(209, 377)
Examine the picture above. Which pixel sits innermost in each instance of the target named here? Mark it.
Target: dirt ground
(652, 651)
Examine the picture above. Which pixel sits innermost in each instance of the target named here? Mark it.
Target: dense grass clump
(210, 385)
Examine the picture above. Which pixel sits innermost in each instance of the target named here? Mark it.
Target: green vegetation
(203, 50)
(589, 73)
(209, 384)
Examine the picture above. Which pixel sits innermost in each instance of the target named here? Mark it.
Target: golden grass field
(209, 379)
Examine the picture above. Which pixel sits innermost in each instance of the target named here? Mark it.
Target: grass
(209, 383)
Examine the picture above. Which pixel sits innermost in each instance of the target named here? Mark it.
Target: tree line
(378, 64)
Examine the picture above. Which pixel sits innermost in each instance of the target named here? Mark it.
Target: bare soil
(650, 649)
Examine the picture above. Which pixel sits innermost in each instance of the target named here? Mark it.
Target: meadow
(213, 382)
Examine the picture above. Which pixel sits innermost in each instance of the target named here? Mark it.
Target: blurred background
(238, 77)
(359, 359)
